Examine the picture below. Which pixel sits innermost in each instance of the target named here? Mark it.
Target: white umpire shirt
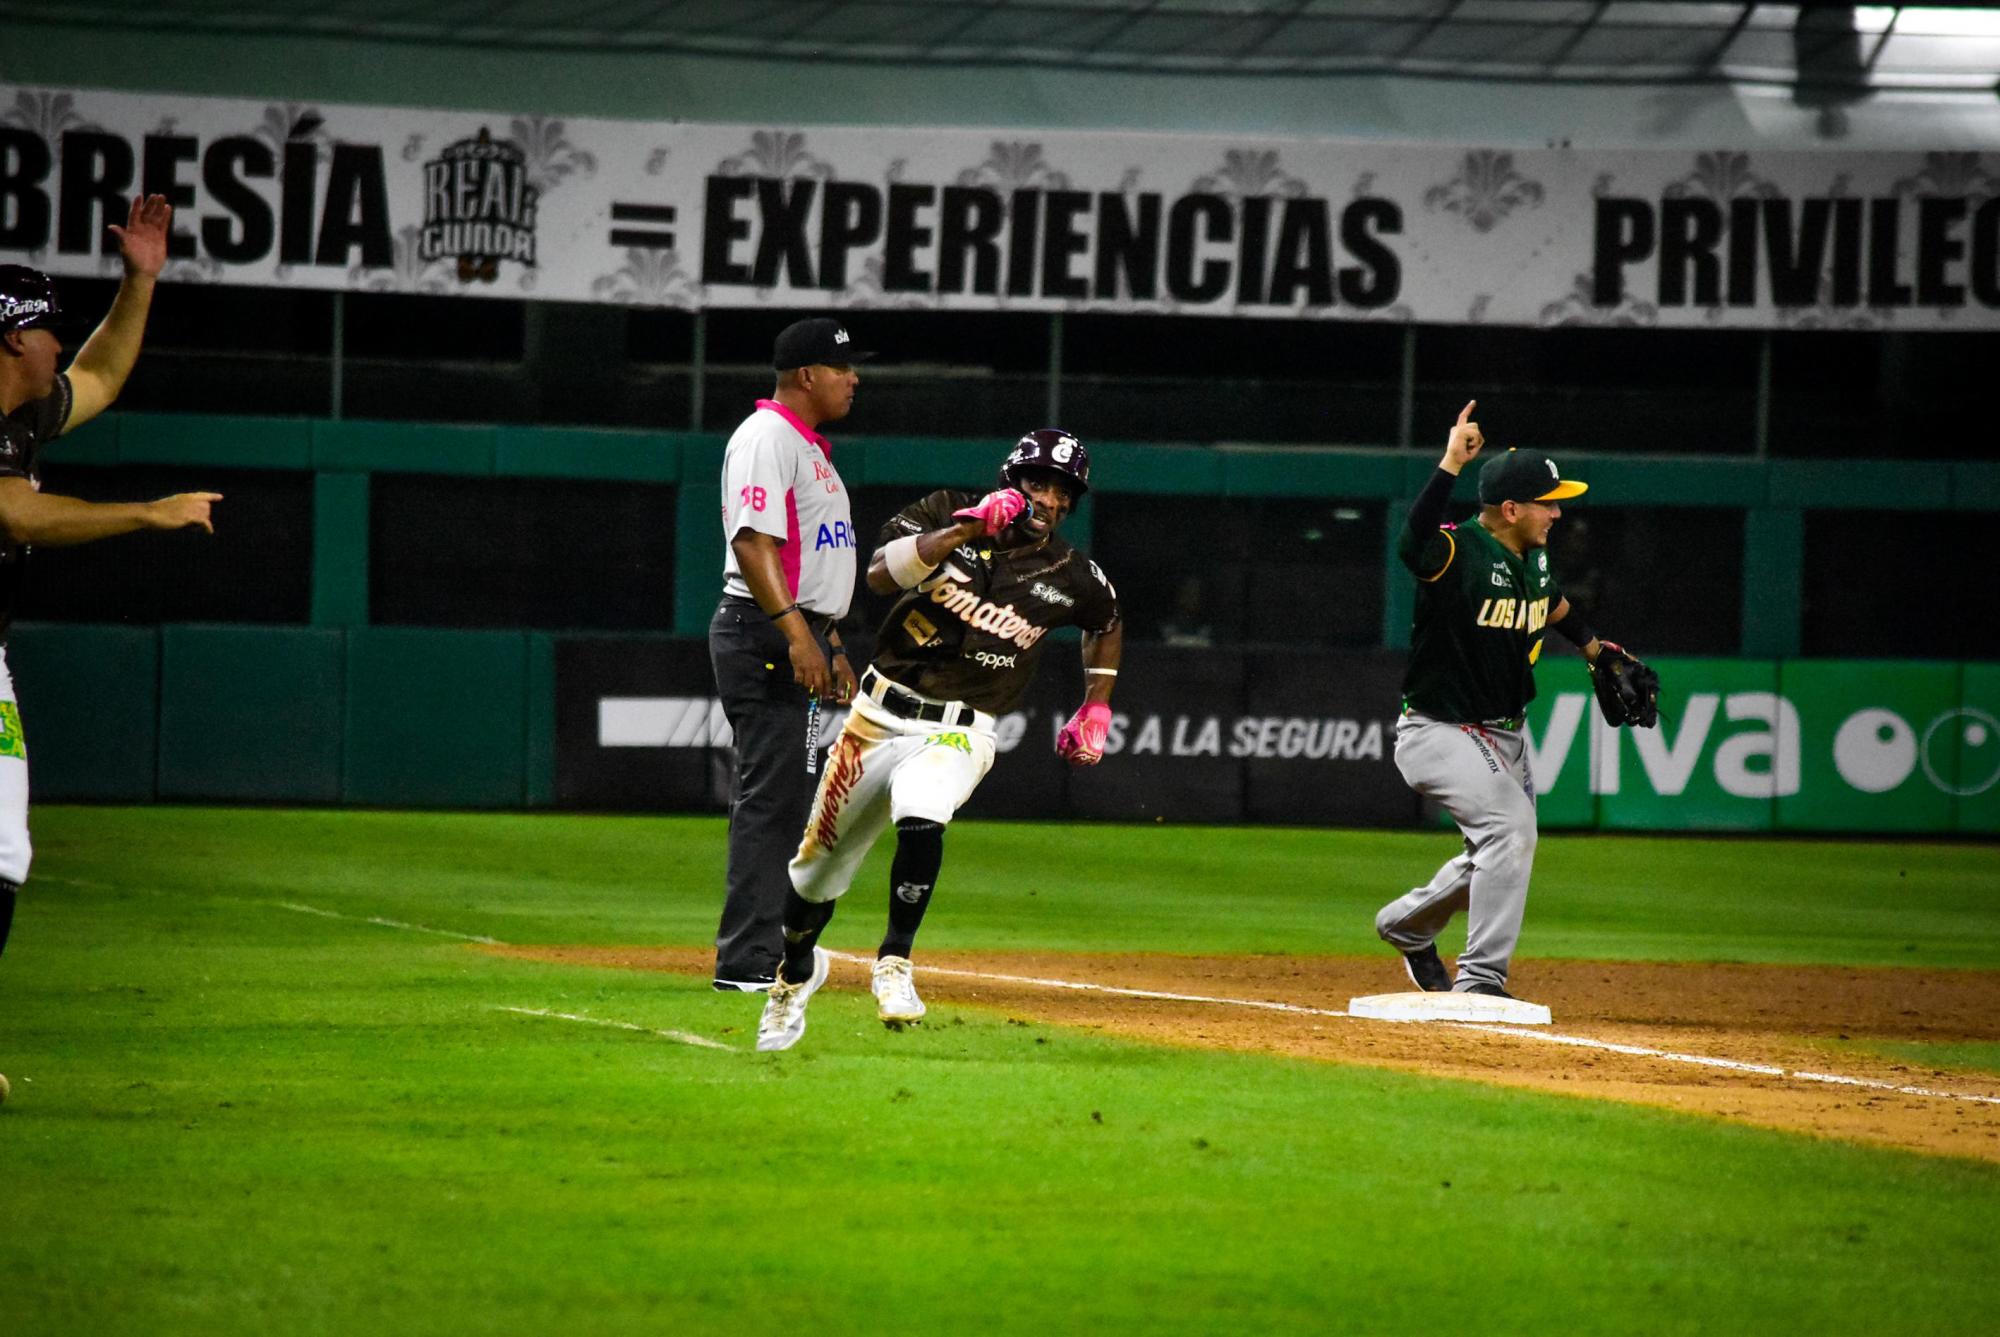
(778, 479)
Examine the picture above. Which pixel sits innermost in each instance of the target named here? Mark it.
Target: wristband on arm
(1574, 629)
(906, 567)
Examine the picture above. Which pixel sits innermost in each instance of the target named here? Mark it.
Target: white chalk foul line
(679, 1037)
(1086, 987)
(1733, 1065)
(1295, 1009)
(380, 922)
(1519, 1032)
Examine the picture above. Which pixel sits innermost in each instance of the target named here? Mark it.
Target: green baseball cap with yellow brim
(1525, 475)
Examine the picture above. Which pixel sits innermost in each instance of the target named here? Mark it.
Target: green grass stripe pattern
(231, 1117)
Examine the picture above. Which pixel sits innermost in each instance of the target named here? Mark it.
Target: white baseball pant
(15, 851)
(1481, 776)
(882, 769)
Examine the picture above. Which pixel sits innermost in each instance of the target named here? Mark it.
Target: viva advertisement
(1750, 745)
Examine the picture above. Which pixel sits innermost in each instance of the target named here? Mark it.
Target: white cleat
(896, 993)
(784, 1019)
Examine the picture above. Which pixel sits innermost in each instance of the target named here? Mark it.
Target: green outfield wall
(330, 707)
(403, 717)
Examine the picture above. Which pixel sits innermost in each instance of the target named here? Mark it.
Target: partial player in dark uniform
(1485, 595)
(980, 583)
(36, 406)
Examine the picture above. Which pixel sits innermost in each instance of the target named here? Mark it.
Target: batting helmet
(27, 299)
(1049, 448)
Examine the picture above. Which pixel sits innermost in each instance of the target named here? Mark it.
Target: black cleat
(1426, 971)
(1488, 990)
(753, 984)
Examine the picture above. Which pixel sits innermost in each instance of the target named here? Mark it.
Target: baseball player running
(37, 405)
(979, 581)
(1485, 595)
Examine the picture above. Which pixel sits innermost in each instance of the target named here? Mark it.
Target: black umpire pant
(771, 793)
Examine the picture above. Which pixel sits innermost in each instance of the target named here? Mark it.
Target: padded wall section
(436, 718)
(251, 713)
(89, 709)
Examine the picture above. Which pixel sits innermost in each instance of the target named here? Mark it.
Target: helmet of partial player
(1049, 448)
(27, 299)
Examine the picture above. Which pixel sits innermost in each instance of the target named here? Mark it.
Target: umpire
(788, 577)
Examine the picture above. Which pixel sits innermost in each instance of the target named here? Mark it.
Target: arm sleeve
(51, 411)
(14, 450)
(1096, 600)
(920, 517)
(757, 474)
(37, 421)
(1424, 547)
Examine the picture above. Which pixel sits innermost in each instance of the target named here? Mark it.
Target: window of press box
(1202, 379)
(450, 329)
(256, 567)
(550, 554)
(933, 373)
(1660, 580)
(1898, 585)
(1880, 395)
(244, 350)
(1198, 571)
(214, 317)
(1679, 391)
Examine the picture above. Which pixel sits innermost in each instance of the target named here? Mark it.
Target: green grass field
(234, 1117)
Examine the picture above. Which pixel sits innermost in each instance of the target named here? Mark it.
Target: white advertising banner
(681, 215)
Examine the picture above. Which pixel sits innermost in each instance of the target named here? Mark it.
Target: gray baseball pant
(1481, 777)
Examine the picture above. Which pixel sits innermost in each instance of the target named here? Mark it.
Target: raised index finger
(1466, 412)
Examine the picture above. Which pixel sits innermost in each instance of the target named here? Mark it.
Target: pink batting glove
(995, 510)
(1081, 742)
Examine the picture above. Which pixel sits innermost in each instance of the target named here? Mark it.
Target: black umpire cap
(1525, 475)
(819, 342)
(27, 299)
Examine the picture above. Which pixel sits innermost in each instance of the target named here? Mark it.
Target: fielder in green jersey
(1485, 597)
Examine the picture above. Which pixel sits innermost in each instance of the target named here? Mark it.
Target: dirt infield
(1802, 1019)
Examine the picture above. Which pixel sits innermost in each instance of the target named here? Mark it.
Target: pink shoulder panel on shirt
(798, 425)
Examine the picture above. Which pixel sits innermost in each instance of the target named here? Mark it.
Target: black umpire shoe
(1488, 990)
(1426, 971)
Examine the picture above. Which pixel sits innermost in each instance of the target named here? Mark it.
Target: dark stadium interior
(502, 552)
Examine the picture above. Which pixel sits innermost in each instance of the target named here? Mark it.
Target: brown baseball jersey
(974, 630)
(23, 433)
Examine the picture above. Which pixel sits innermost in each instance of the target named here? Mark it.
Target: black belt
(905, 704)
(819, 623)
(1513, 723)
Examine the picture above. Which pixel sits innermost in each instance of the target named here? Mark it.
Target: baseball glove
(1628, 691)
